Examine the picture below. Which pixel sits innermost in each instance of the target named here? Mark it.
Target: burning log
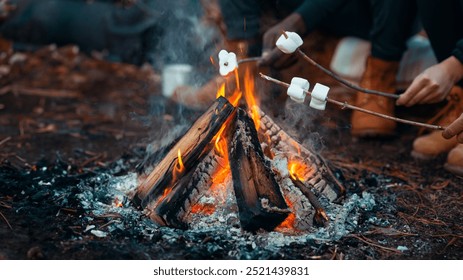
(317, 173)
(259, 199)
(320, 217)
(185, 154)
(172, 209)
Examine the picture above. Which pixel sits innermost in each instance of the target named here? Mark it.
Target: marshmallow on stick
(227, 62)
(298, 88)
(319, 94)
(289, 42)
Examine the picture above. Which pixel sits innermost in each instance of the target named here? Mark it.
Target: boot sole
(457, 170)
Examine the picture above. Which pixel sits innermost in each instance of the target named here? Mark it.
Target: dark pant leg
(242, 18)
(386, 23)
(393, 23)
(443, 22)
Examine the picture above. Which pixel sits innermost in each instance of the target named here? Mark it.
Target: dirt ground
(66, 117)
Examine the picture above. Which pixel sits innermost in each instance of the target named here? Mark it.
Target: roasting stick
(347, 105)
(331, 74)
(250, 59)
(344, 82)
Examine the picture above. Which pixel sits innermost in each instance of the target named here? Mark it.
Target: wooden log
(172, 209)
(320, 217)
(319, 175)
(259, 198)
(193, 146)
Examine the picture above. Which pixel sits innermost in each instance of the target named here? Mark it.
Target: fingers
(454, 128)
(409, 96)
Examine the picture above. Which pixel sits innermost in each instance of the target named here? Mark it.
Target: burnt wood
(320, 217)
(173, 208)
(260, 202)
(194, 145)
(320, 176)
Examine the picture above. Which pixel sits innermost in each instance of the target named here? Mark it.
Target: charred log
(194, 145)
(259, 199)
(173, 208)
(319, 174)
(320, 217)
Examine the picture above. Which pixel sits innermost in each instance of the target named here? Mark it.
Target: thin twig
(4, 218)
(53, 93)
(344, 82)
(347, 105)
(370, 242)
(5, 140)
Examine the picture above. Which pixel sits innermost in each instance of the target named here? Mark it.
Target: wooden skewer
(352, 107)
(344, 82)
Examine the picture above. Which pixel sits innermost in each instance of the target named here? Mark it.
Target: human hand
(271, 55)
(434, 84)
(455, 129)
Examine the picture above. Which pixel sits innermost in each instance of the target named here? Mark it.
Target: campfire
(236, 162)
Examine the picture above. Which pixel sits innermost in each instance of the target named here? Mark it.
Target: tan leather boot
(433, 144)
(203, 97)
(454, 162)
(379, 75)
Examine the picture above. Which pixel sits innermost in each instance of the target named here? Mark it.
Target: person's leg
(443, 23)
(391, 25)
(242, 18)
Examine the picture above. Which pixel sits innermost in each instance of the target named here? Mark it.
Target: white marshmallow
(319, 94)
(227, 62)
(296, 93)
(297, 89)
(303, 83)
(290, 44)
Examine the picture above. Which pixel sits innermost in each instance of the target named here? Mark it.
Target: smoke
(186, 39)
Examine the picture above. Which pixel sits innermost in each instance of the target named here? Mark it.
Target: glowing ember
(250, 98)
(118, 203)
(289, 222)
(206, 209)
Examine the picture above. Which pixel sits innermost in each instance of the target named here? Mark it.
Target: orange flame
(298, 170)
(221, 91)
(249, 91)
(212, 60)
(221, 143)
(235, 98)
(179, 167)
(164, 195)
(289, 222)
(237, 79)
